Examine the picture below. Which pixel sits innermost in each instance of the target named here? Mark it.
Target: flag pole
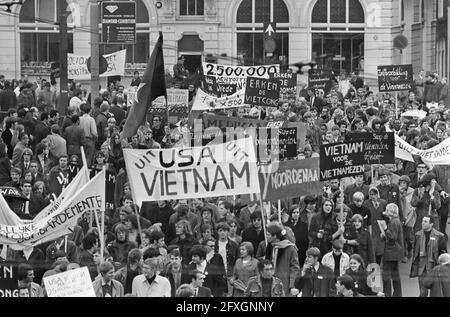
(263, 212)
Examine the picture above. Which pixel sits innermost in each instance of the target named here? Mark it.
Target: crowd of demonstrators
(219, 247)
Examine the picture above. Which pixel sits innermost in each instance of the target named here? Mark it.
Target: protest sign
(379, 147)
(262, 92)
(340, 160)
(195, 172)
(77, 68)
(8, 280)
(226, 80)
(320, 79)
(288, 83)
(219, 89)
(90, 198)
(437, 155)
(206, 102)
(71, 283)
(7, 191)
(395, 78)
(288, 143)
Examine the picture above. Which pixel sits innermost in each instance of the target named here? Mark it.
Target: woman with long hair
(235, 231)
(320, 230)
(358, 273)
(300, 230)
(364, 241)
(184, 239)
(245, 268)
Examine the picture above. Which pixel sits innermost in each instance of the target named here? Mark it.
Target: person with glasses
(416, 177)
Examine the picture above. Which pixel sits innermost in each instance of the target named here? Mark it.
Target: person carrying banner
(426, 200)
(283, 254)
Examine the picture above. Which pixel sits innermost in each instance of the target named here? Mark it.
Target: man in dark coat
(254, 233)
(429, 244)
(7, 97)
(315, 280)
(197, 280)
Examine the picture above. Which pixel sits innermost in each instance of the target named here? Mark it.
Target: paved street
(410, 286)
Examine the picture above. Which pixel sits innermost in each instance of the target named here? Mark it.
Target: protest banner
(224, 122)
(206, 102)
(287, 179)
(437, 155)
(81, 179)
(395, 78)
(77, 68)
(379, 147)
(219, 79)
(194, 172)
(177, 105)
(262, 92)
(110, 184)
(90, 198)
(288, 83)
(71, 283)
(340, 160)
(8, 280)
(320, 79)
(74, 169)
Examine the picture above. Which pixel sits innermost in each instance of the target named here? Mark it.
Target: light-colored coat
(328, 261)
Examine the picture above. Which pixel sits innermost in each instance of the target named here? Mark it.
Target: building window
(440, 9)
(337, 12)
(192, 7)
(252, 16)
(338, 35)
(39, 35)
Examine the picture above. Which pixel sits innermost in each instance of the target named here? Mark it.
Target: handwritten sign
(379, 147)
(72, 283)
(395, 78)
(288, 143)
(77, 65)
(262, 92)
(320, 79)
(288, 83)
(8, 280)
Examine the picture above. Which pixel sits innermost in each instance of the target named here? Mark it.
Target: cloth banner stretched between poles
(89, 198)
(196, 172)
